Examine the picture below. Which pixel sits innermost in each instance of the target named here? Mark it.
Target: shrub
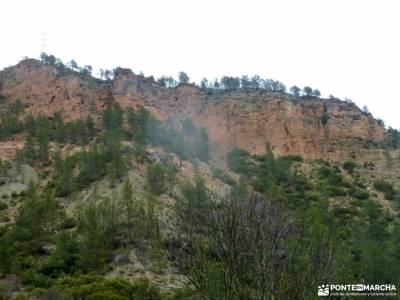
(349, 166)
(383, 186)
(156, 179)
(143, 289)
(69, 223)
(99, 288)
(237, 160)
(106, 295)
(369, 165)
(324, 119)
(113, 117)
(223, 176)
(344, 213)
(386, 188)
(293, 158)
(21, 297)
(3, 205)
(359, 193)
(331, 175)
(336, 191)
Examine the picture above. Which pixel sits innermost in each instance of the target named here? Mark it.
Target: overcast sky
(346, 48)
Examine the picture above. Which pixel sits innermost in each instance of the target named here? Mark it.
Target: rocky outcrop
(43, 89)
(250, 120)
(247, 120)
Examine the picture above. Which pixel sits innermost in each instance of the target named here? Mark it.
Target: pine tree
(65, 180)
(19, 159)
(30, 125)
(93, 254)
(201, 146)
(170, 177)
(50, 207)
(113, 117)
(64, 258)
(29, 149)
(128, 201)
(30, 223)
(156, 179)
(59, 127)
(90, 126)
(151, 226)
(112, 220)
(140, 153)
(193, 206)
(43, 143)
(111, 146)
(92, 167)
(5, 254)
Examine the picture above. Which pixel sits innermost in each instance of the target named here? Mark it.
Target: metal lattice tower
(43, 41)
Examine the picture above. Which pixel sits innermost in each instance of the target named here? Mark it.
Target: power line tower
(43, 41)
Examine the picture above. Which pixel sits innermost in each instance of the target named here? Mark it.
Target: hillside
(125, 188)
(243, 119)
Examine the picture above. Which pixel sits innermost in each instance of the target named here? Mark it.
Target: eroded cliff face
(250, 120)
(44, 89)
(247, 120)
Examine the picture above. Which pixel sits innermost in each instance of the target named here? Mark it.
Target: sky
(346, 48)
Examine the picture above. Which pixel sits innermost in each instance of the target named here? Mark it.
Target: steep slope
(45, 89)
(132, 200)
(248, 120)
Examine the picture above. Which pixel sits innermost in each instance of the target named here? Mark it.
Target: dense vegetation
(103, 152)
(366, 238)
(276, 235)
(54, 254)
(293, 235)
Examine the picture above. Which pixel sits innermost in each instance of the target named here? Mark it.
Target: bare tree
(249, 250)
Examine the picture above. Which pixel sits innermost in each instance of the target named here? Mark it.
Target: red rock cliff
(247, 120)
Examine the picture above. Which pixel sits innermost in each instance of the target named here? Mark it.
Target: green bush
(386, 188)
(293, 158)
(393, 138)
(383, 186)
(113, 117)
(324, 119)
(69, 223)
(349, 166)
(358, 193)
(156, 179)
(106, 295)
(96, 287)
(223, 176)
(180, 294)
(3, 205)
(336, 191)
(237, 160)
(332, 175)
(22, 297)
(143, 290)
